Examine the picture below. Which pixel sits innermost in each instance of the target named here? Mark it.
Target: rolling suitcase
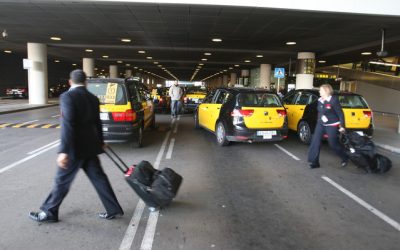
(155, 188)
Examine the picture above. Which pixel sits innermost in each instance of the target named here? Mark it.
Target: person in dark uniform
(331, 122)
(81, 142)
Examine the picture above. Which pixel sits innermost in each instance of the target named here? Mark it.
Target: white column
(265, 76)
(305, 70)
(88, 66)
(37, 74)
(233, 79)
(225, 80)
(128, 73)
(113, 71)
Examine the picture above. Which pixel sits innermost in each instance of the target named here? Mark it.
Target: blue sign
(279, 73)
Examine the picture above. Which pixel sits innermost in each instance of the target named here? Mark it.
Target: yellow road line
(47, 126)
(33, 125)
(5, 125)
(18, 125)
(59, 126)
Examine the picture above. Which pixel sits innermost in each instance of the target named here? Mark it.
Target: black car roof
(316, 92)
(114, 80)
(247, 90)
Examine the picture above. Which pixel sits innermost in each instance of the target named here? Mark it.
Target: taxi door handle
(218, 108)
(301, 109)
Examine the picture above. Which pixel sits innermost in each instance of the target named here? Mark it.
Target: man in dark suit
(81, 142)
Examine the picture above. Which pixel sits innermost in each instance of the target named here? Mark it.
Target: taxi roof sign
(279, 73)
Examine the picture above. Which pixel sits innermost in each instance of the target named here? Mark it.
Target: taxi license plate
(195, 100)
(104, 117)
(266, 134)
(360, 133)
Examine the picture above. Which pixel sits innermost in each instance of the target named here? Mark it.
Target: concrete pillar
(113, 71)
(128, 73)
(225, 80)
(265, 76)
(88, 66)
(233, 80)
(37, 74)
(305, 69)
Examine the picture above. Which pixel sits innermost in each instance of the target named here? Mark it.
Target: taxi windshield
(108, 93)
(352, 101)
(258, 100)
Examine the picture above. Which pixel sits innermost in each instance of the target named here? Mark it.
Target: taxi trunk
(357, 114)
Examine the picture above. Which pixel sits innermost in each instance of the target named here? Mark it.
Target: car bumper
(119, 133)
(250, 135)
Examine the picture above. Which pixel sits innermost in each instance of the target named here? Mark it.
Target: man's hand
(62, 160)
(341, 130)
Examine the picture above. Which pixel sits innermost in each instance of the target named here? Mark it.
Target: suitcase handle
(123, 169)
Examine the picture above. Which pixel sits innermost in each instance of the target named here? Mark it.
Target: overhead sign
(279, 73)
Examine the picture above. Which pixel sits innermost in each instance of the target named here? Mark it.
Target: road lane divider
(130, 232)
(28, 125)
(24, 123)
(45, 146)
(4, 169)
(55, 116)
(170, 149)
(363, 203)
(287, 152)
(176, 128)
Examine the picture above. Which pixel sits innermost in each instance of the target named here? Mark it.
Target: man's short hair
(77, 76)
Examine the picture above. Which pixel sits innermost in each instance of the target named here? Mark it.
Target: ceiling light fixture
(322, 61)
(290, 43)
(237, 65)
(149, 57)
(55, 38)
(201, 64)
(105, 56)
(119, 61)
(216, 40)
(74, 64)
(8, 51)
(142, 52)
(204, 59)
(88, 50)
(155, 62)
(125, 40)
(247, 61)
(56, 61)
(367, 53)
(207, 54)
(259, 56)
(128, 64)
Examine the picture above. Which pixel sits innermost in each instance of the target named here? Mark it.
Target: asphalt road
(244, 196)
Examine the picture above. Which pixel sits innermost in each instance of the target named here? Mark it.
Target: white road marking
(2, 170)
(55, 116)
(130, 233)
(176, 128)
(287, 152)
(45, 146)
(28, 122)
(148, 238)
(370, 208)
(179, 117)
(170, 149)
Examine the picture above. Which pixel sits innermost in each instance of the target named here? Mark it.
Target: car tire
(304, 132)
(220, 134)
(138, 139)
(196, 120)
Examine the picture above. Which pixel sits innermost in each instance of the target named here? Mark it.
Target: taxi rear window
(108, 92)
(258, 100)
(352, 101)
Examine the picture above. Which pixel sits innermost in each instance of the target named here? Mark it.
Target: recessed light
(201, 64)
(55, 38)
(230, 68)
(247, 61)
(142, 52)
(56, 61)
(259, 56)
(237, 65)
(74, 64)
(105, 56)
(155, 62)
(159, 66)
(217, 40)
(127, 64)
(88, 50)
(95, 68)
(119, 61)
(126, 40)
(290, 43)
(149, 57)
(207, 54)
(204, 59)
(322, 61)
(224, 70)
(8, 51)
(366, 53)
(135, 67)
(140, 69)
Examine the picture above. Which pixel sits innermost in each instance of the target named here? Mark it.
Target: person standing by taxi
(175, 92)
(331, 122)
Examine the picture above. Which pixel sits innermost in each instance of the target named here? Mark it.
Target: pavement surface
(244, 196)
(9, 105)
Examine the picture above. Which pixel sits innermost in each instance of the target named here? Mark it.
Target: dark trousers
(333, 140)
(65, 177)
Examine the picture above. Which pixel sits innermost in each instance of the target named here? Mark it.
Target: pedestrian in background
(81, 142)
(175, 92)
(331, 122)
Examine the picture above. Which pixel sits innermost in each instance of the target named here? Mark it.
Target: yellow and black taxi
(126, 109)
(161, 99)
(192, 97)
(243, 115)
(301, 108)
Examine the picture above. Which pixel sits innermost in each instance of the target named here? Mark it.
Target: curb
(389, 148)
(26, 109)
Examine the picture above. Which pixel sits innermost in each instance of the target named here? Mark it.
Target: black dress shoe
(42, 217)
(344, 163)
(314, 165)
(107, 216)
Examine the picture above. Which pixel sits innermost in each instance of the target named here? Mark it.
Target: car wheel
(221, 135)
(196, 120)
(304, 132)
(138, 139)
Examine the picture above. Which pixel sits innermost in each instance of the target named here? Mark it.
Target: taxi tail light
(242, 112)
(281, 112)
(127, 116)
(367, 114)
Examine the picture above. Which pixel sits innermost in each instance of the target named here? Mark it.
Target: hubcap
(220, 133)
(304, 133)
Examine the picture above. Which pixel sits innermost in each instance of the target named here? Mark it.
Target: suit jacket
(332, 110)
(81, 129)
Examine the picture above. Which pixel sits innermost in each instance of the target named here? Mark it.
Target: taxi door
(302, 100)
(290, 106)
(203, 109)
(214, 109)
(147, 105)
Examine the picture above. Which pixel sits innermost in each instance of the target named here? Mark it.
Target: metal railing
(395, 117)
